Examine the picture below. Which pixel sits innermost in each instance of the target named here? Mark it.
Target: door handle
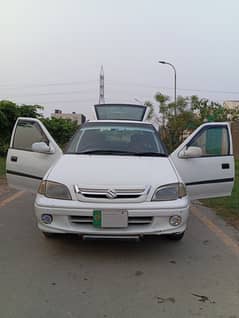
(14, 158)
(225, 165)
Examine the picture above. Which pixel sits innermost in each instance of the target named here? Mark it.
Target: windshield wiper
(150, 154)
(121, 153)
(105, 152)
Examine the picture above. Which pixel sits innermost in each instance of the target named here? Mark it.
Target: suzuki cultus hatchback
(115, 178)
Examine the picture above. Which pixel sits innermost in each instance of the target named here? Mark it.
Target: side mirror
(190, 152)
(42, 147)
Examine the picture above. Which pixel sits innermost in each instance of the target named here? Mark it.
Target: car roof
(120, 121)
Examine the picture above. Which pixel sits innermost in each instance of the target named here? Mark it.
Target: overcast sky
(52, 50)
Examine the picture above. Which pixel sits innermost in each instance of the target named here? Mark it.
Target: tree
(30, 111)
(212, 111)
(190, 113)
(9, 112)
(151, 109)
(173, 127)
(60, 129)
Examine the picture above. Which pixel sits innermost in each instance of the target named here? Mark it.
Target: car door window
(26, 134)
(213, 141)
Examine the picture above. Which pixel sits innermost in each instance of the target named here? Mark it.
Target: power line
(92, 101)
(179, 88)
(28, 85)
(118, 85)
(69, 101)
(53, 93)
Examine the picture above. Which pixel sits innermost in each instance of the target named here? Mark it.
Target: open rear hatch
(120, 112)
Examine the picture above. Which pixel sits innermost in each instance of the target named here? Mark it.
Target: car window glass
(213, 141)
(28, 133)
(120, 112)
(116, 138)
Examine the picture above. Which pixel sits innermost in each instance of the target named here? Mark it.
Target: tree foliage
(151, 109)
(60, 129)
(9, 112)
(188, 113)
(212, 111)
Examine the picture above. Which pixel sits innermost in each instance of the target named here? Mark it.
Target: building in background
(80, 118)
(231, 104)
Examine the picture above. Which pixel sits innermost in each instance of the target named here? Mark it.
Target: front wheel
(176, 236)
(49, 235)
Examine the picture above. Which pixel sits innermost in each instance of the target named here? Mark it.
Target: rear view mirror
(191, 152)
(42, 147)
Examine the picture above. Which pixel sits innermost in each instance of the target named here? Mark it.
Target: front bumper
(157, 215)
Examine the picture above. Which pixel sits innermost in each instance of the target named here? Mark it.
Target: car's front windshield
(110, 138)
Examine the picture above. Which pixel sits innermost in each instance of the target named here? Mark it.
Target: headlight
(170, 192)
(54, 190)
(175, 220)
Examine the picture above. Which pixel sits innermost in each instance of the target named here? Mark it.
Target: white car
(115, 178)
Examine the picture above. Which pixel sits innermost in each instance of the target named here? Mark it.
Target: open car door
(205, 161)
(120, 112)
(32, 152)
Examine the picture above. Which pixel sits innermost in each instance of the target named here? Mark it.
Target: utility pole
(102, 86)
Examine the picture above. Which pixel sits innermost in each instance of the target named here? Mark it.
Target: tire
(176, 236)
(49, 235)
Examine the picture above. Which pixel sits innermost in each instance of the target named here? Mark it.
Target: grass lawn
(2, 166)
(228, 207)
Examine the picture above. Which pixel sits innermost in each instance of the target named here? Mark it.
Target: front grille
(132, 220)
(81, 219)
(104, 196)
(140, 220)
(110, 193)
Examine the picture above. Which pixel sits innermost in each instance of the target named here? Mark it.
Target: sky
(52, 51)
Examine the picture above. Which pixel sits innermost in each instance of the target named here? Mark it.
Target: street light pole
(175, 83)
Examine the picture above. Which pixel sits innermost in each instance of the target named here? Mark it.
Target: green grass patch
(2, 166)
(227, 207)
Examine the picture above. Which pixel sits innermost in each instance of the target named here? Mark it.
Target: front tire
(176, 236)
(49, 235)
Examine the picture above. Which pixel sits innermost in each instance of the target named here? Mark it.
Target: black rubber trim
(225, 166)
(23, 175)
(210, 181)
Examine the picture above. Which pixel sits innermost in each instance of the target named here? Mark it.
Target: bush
(60, 129)
(9, 112)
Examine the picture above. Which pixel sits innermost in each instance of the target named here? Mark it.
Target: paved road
(68, 277)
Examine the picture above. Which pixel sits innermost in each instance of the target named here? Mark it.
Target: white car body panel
(31, 164)
(204, 176)
(160, 214)
(99, 171)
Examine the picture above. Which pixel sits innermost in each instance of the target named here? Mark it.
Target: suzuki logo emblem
(111, 194)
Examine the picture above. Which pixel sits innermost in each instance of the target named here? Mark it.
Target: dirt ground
(3, 187)
(234, 222)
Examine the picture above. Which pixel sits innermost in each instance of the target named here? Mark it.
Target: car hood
(97, 170)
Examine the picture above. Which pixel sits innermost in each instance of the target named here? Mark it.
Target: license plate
(97, 218)
(110, 219)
